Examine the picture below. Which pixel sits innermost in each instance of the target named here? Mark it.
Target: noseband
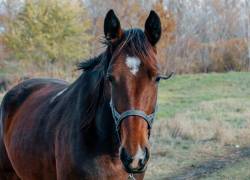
(149, 118)
(132, 112)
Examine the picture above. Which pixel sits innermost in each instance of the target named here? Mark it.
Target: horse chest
(105, 168)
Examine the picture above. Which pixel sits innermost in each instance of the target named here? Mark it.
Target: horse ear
(112, 27)
(153, 27)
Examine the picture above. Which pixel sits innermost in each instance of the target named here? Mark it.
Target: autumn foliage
(48, 30)
(198, 36)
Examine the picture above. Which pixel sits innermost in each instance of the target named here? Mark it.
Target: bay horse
(98, 127)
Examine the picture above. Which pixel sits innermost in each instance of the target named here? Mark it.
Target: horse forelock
(136, 44)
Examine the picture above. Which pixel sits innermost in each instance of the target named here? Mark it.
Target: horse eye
(110, 78)
(157, 79)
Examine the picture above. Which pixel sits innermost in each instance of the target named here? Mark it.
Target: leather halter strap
(133, 112)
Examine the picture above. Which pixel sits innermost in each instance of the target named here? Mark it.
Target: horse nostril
(147, 153)
(125, 157)
(141, 162)
(137, 163)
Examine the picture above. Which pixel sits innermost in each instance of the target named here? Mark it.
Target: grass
(185, 91)
(200, 117)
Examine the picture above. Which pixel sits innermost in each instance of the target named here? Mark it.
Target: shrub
(48, 30)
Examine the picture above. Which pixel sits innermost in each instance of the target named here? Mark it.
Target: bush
(48, 30)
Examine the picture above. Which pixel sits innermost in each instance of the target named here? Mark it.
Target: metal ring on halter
(131, 177)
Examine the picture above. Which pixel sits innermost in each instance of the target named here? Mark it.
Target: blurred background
(204, 114)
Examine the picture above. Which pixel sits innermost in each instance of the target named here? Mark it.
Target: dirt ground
(202, 170)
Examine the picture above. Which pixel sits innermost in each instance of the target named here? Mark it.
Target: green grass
(186, 91)
(200, 117)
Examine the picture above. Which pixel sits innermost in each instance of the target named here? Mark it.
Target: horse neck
(92, 94)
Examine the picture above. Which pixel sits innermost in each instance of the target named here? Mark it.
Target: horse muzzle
(135, 164)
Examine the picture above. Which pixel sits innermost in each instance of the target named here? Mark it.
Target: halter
(132, 112)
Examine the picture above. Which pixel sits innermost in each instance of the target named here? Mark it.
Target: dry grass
(213, 120)
(212, 124)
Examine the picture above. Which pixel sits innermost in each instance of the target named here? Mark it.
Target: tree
(54, 30)
(130, 12)
(168, 24)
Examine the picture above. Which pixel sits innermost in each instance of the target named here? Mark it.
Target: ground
(203, 128)
(202, 119)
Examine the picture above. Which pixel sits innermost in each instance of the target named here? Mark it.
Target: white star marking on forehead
(133, 64)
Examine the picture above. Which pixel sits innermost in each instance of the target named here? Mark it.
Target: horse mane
(89, 64)
(94, 70)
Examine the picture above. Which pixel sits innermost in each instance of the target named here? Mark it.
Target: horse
(97, 127)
